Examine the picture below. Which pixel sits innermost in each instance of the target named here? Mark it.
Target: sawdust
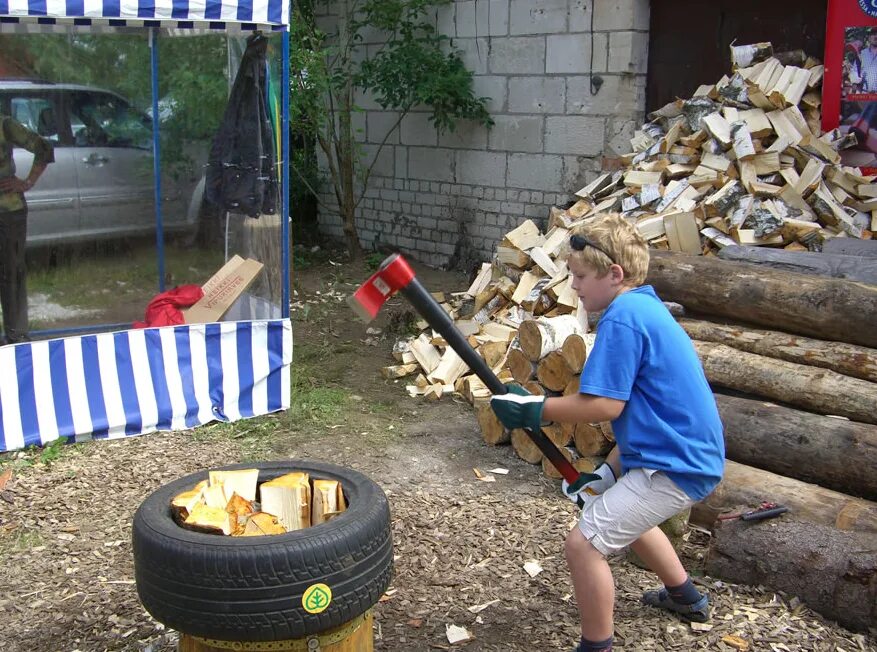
(461, 544)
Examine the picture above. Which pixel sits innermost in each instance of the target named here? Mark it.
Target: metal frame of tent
(131, 382)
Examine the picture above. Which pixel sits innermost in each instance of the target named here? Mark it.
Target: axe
(396, 275)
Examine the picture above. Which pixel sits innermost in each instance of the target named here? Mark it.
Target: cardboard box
(223, 289)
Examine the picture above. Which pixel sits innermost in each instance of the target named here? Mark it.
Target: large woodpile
(787, 341)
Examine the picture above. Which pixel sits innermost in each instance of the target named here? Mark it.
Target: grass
(33, 455)
(100, 277)
(18, 540)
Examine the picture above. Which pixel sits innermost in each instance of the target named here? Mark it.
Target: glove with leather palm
(589, 484)
(518, 408)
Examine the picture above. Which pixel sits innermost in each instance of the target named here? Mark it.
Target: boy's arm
(582, 408)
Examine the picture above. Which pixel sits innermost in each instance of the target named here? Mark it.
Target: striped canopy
(192, 14)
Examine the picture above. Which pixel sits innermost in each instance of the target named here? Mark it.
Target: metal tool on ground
(396, 275)
(764, 511)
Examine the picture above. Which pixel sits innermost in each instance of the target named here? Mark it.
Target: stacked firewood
(744, 161)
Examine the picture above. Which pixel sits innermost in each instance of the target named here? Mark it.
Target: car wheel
(254, 588)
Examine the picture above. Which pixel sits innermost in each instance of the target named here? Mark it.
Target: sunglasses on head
(579, 242)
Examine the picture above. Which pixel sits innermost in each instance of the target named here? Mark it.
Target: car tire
(252, 588)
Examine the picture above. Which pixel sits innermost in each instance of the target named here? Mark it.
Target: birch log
(810, 388)
(539, 337)
(847, 359)
(829, 309)
(834, 453)
(554, 372)
(492, 430)
(525, 448)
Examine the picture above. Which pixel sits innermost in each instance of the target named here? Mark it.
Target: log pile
(742, 162)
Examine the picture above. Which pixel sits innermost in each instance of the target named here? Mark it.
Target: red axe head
(393, 275)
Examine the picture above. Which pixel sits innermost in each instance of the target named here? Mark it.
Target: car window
(37, 114)
(101, 120)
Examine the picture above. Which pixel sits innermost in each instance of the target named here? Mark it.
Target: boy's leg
(655, 549)
(593, 584)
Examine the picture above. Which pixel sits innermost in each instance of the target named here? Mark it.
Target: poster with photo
(849, 90)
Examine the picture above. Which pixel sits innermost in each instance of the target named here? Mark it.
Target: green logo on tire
(317, 598)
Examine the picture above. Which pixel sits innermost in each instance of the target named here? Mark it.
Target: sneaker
(698, 612)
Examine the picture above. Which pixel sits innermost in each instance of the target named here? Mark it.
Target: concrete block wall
(447, 199)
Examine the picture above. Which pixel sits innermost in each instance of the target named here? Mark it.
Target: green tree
(413, 65)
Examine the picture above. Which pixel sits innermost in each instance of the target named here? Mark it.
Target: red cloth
(164, 309)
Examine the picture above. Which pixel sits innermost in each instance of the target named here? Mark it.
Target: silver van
(101, 183)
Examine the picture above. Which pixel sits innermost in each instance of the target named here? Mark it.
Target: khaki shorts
(639, 501)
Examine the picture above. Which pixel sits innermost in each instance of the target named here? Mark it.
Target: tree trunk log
(492, 430)
(553, 372)
(853, 268)
(525, 448)
(539, 337)
(572, 387)
(833, 453)
(833, 572)
(575, 351)
(747, 487)
(520, 366)
(829, 309)
(846, 359)
(810, 388)
(590, 440)
(548, 469)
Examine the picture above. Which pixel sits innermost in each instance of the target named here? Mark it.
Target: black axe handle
(435, 316)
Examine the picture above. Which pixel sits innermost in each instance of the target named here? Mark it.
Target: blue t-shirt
(670, 422)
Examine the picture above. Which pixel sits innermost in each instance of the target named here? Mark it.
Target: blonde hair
(621, 240)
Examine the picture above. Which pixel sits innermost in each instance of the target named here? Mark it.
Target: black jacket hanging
(241, 169)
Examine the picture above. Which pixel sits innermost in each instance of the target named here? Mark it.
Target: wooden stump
(833, 572)
(525, 448)
(353, 636)
(539, 337)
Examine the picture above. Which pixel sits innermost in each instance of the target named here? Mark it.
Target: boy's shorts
(640, 500)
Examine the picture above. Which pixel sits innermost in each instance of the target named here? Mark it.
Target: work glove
(589, 484)
(519, 408)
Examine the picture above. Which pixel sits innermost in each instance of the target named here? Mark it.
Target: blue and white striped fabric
(212, 14)
(114, 385)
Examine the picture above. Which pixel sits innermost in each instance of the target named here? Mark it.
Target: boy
(644, 375)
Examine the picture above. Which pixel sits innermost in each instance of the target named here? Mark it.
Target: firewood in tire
(261, 524)
(243, 483)
(183, 504)
(289, 498)
(328, 501)
(212, 520)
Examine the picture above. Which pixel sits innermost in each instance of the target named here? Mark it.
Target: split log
(539, 337)
(847, 359)
(840, 581)
(590, 440)
(554, 372)
(810, 388)
(854, 268)
(747, 487)
(525, 448)
(520, 366)
(492, 430)
(833, 453)
(829, 309)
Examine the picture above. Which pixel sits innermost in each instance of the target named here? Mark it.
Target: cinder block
(536, 94)
(628, 52)
(384, 165)
(577, 169)
(431, 163)
(418, 130)
(620, 95)
(535, 171)
(498, 16)
(482, 168)
(402, 162)
(571, 53)
(578, 135)
(543, 17)
(514, 133)
(472, 18)
(467, 135)
(379, 123)
(518, 55)
(494, 87)
(612, 15)
(445, 19)
(618, 136)
(474, 52)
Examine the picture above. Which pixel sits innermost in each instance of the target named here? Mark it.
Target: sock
(595, 646)
(685, 593)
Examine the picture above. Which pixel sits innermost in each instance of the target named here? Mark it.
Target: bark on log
(539, 337)
(829, 309)
(492, 430)
(833, 453)
(851, 247)
(553, 372)
(846, 359)
(810, 388)
(520, 366)
(747, 487)
(832, 572)
(525, 448)
(853, 268)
